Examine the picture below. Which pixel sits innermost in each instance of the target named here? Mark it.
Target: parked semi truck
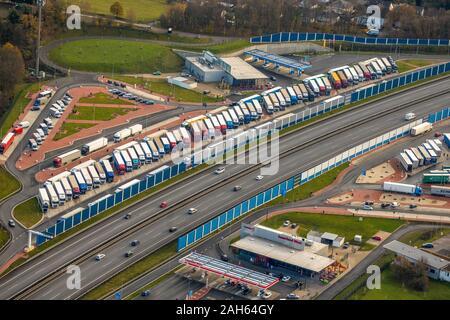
(440, 191)
(421, 129)
(402, 188)
(94, 146)
(122, 134)
(66, 158)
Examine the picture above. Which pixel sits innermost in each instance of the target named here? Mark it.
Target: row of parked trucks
(97, 144)
(69, 185)
(425, 154)
(278, 98)
(371, 69)
(41, 100)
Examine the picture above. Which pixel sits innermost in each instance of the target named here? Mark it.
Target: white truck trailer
(402, 188)
(94, 146)
(421, 129)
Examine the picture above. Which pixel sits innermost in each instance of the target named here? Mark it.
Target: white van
(410, 116)
(24, 124)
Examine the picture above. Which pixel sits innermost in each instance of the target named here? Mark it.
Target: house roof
(416, 254)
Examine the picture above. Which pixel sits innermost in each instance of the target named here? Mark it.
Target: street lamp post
(40, 4)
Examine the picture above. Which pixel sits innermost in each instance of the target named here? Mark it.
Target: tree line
(18, 39)
(255, 17)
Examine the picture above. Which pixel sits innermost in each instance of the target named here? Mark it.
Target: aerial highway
(156, 234)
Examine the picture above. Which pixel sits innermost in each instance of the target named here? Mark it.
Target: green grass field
(8, 184)
(97, 113)
(115, 56)
(166, 89)
(392, 289)
(305, 191)
(410, 64)
(18, 105)
(4, 236)
(418, 238)
(28, 213)
(144, 10)
(103, 98)
(126, 32)
(341, 225)
(69, 128)
(222, 48)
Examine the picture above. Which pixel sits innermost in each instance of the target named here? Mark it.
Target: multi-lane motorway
(212, 203)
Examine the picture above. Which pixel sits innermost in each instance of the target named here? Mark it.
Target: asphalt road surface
(216, 202)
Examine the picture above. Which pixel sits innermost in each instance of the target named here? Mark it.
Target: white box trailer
(66, 158)
(425, 154)
(440, 191)
(140, 153)
(286, 96)
(83, 165)
(412, 157)
(186, 137)
(154, 149)
(418, 156)
(87, 178)
(100, 171)
(59, 176)
(95, 177)
(435, 147)
(67, 189)
(268, 104)
(136, 129)
(258, 107)
(275, 102)
(421, 129)
(405, 162)
(147, 152)
(54, 200)
(60, 192)
(122, 134)
(94, 145)
(402, 188)
(43, 199)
